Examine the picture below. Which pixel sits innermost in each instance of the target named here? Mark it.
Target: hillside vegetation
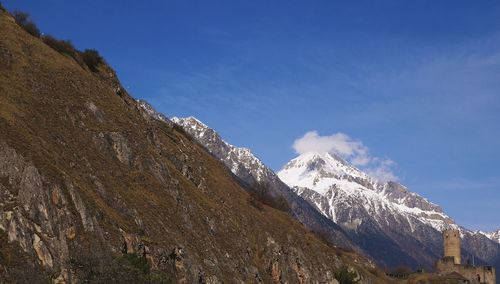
(94, 189)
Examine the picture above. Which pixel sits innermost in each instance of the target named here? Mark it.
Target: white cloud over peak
(354, 151)
(339, 143)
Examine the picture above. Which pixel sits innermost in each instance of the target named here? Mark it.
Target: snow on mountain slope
(382, 216)
(329, 175)
(240, 161)
(495, 235)
(369, 209)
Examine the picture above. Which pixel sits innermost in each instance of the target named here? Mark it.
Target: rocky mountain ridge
(95, 187)
(495, 235)
(240, 161)
(327, 173)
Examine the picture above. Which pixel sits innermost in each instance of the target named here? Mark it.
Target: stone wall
(477, 274)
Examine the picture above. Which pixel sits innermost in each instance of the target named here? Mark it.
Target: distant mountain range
(385, 220)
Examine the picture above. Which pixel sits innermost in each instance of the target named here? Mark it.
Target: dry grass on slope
(145, 184)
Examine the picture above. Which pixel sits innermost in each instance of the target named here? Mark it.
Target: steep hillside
(95, 188)
(258, 176)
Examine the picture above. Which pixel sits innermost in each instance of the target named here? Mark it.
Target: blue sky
(417, 82)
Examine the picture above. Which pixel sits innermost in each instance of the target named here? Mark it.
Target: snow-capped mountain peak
(315, 170)
(344, 193)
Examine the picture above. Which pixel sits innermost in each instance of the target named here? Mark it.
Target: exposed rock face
(26, 212)
(117, 143)
(94, 188)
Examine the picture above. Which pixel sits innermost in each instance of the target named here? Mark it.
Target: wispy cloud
(348, 148)
(382, 169)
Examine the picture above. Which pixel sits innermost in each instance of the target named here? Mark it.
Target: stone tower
(451, 241)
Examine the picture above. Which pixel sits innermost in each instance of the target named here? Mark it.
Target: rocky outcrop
(35, 214)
